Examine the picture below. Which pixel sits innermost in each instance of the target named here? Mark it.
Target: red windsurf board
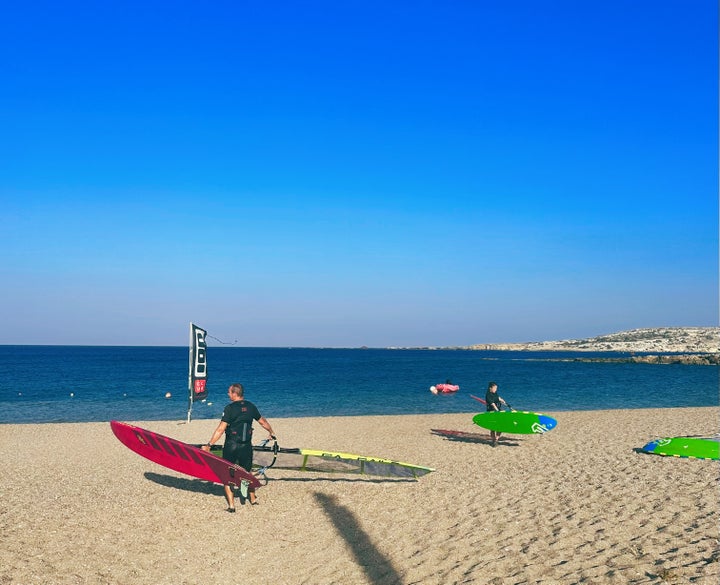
(180, 456)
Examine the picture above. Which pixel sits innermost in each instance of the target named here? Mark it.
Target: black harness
(239, 432)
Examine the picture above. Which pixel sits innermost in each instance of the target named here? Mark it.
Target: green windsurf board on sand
(687, 447)
(515, 422)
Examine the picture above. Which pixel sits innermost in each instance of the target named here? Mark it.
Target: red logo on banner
(200, 386)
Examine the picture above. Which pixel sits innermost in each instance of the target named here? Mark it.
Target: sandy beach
(577, 505)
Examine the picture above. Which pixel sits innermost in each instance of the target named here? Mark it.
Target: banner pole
(190, 366)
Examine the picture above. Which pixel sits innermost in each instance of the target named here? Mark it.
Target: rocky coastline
(702, 359)
(655, 340)
(661, 345)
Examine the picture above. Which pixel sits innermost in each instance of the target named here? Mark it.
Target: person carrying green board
(493, 402)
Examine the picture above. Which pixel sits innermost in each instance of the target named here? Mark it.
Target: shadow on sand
(199, 486)
(480, 438)
(377, 567)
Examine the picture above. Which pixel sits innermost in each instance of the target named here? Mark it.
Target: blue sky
(357, 173)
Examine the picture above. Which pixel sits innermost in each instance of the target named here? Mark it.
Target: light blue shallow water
(129, 383)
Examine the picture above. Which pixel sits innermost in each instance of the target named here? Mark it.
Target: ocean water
(40, 384)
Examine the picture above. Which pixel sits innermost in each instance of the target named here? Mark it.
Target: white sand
(577, 505)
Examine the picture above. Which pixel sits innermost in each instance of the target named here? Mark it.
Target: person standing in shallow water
(493, 403)
(236, 423)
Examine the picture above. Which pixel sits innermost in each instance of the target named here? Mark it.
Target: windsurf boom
(312, 460)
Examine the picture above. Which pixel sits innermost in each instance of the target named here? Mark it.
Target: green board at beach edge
(686, 447)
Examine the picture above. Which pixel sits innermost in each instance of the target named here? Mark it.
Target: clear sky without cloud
(341, 174)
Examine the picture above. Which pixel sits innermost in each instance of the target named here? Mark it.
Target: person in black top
(494, 402)
(236, 423)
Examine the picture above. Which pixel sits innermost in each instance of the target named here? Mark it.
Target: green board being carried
(515, 422)
(687, 447)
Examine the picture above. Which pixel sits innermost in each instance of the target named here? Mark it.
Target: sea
(50, 384)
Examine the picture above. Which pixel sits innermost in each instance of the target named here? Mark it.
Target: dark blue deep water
(83, 384)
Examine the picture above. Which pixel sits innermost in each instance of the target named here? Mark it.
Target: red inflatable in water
(444, 388)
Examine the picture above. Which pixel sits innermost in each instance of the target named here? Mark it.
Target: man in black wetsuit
(236, 423)
(494, 403)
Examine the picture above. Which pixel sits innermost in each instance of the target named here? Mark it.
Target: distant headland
(690, 345)
(661, 340)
